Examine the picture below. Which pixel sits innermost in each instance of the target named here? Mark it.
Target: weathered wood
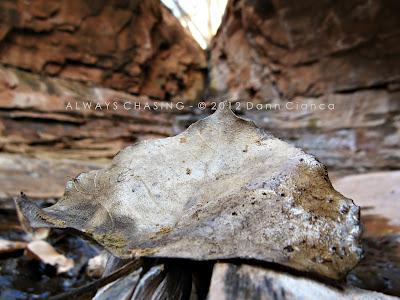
(249, 282)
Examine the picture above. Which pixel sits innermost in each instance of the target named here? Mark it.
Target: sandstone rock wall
(346, 53)
(134, 46)
(57, 52)
(58, 117)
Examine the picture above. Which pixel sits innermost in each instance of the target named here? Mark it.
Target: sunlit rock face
(222, 189)
(343, 53)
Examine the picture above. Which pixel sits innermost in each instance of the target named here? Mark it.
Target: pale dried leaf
(39, 234)
(7, 246)
(221, 189)
(96, 265)
(44, 252)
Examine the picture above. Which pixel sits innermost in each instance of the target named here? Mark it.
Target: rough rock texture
(234, 191)
(35, 117)
(134, 46)
(247, 282)
(85, 52)
(44, 142)
(342, 52)
(38, 178)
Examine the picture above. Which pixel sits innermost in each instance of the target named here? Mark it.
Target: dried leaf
(44, 252)
(96, 265)
(11, 246)
(40, 234)
(222, 189)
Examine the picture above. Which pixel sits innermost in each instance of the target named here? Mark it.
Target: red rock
(36, 118)
(347, 54)
(92, 42)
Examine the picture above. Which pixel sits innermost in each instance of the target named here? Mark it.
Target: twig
(95, 285)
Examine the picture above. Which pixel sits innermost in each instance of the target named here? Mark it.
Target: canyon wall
(293, 53)
(56, 54)
(52, 53)
(134, 46)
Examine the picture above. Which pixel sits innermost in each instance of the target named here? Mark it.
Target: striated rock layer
(345, 53)
(39, 115)
(135, 46)
(222, 189)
